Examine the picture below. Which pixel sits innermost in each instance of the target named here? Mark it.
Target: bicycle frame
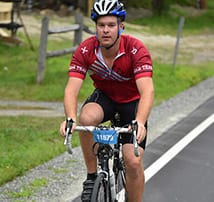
(105, 152)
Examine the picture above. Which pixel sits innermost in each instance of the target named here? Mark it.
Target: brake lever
(68, 135)
(134, 129)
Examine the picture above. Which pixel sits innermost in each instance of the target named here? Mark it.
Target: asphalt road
(180, 163)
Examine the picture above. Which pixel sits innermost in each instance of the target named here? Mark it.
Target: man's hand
(141, 132)
(63, 126)
(62, 129)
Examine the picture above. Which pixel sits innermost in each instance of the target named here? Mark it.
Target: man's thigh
(98, 98)
(91, 114)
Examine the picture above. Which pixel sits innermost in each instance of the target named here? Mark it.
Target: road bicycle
(110, 184)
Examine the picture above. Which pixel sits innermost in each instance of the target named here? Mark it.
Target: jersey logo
(143, 68)
(99, 69)
(76, 68)
(84, 50)
(134, 51)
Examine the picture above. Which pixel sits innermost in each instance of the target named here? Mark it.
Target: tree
(158, 6)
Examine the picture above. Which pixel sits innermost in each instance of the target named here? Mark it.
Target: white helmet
(108, 7)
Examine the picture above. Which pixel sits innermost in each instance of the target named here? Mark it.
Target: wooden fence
(78, 29)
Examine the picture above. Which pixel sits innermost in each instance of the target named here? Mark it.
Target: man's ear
(122, 26)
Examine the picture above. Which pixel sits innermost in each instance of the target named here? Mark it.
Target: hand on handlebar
(63, 127)
(141, 132)
(69, 127)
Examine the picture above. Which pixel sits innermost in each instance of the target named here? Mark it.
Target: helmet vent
(107, 7)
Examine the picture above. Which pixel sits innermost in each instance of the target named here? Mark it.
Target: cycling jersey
(133, 61)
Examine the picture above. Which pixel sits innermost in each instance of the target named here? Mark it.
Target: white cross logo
(84, 50)
(134, 51)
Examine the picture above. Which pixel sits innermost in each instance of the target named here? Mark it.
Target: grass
(26, 141)
(168, 82)
(21, 143)
(196, 21)
(27, 191)
(18, 75)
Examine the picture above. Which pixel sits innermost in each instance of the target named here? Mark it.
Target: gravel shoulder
(65, 173)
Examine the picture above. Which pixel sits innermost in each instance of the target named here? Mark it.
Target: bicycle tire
(101, 191)
(121, 195)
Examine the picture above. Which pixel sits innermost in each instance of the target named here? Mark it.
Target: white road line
(179, 146)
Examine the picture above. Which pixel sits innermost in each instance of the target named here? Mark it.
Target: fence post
(181, 24)
(78, 32)
(90, 5)
(42, 49)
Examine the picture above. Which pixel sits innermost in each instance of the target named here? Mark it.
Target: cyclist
(121, 69)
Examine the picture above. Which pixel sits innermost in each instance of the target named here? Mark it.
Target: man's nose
(106, 28)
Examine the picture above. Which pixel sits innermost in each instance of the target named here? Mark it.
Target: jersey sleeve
(79, 65)
(142, 62)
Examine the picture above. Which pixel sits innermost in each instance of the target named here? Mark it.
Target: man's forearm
(71, 97)
(144, 108)
(70, 107)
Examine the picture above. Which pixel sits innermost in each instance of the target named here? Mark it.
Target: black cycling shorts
(127, 112)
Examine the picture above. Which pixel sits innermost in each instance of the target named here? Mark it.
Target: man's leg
(134, 173)
(91, 115)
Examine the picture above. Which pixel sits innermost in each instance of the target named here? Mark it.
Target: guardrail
(78, 29)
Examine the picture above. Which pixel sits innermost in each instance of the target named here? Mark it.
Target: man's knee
(91, 114)
(134, 165)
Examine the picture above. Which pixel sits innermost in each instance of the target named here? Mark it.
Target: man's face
(107, 30)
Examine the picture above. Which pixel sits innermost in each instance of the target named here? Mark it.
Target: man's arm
(71, 97)
(70, 101)
(146, 90)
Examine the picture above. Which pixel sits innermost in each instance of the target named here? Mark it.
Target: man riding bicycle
(121, 69)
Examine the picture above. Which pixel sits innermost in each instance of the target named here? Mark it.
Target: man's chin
(105, 45)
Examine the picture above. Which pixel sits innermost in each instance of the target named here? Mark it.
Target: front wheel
(121, 194)
(101, 190)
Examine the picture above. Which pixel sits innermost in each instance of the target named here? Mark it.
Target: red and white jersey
(132, 62)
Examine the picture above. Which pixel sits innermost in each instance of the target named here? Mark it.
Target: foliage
(137, 3)
(55, 4)
(164, 3)
(183, 2)
(194, 23)
(162, 7)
